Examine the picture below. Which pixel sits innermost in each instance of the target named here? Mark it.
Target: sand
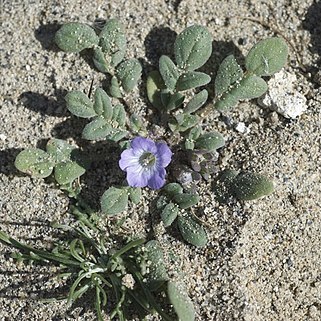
(263, 258)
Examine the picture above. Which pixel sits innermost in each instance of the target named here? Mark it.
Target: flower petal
(157, 180)
(137, 177)
(128, 158)
(141, 144)
(163, 155)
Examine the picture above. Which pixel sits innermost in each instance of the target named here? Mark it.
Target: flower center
(147, 160)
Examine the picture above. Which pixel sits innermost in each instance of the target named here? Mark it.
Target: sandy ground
(263, 259)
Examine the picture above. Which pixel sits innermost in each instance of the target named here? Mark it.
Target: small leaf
(210, 141)
(79, 104)
(114, 201)
(191, 231)
(229, 72)
(128, 73)
(196, 102)
(135, 194)
(172, 189)
(267, 57)
(102, 104)
(97, 129)
(169, 214)
(168, 71)
(114, 88)
(157, 274)
(59, 149)
(154, 86)
(135, 123)
(113, 41)
(250, 186)
(222, 186)
(193, 47)
(181, 302)
(182, 122)
(186, 200)
(100, 61)
(34, 162)
(193, 134)
(117, 134)
(226, 102)
(74, 37)
(67, 172)
(192, 79)
(119, 115)
(161, 202)
(250, 87)
(170, 100)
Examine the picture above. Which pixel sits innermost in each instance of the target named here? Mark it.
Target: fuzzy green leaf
(102, 104)
(114, 201)
(97, 129)
(181, 302)
(59, 150)
(128, 73)
(250, 87)
(169, 214)
(267, 57)
(226, 102)
(35, 162)
(135, 123)
(157, 273)
(79, 104)
(193, 134)
(222, 186)
(210, 141)
(192, 79)
(250, 186)
(182, 122)
(229, 72)
(135, 194)
(114, 88)
(172, 189)
(169, 72)
(170, 100)
(154, 85)
(75, 36)
(113, 41)
(100, 61)
(67, 172)
(186, 200)
(119, 115)
(196, 102)
(192, 232)
(193, 47)
(117, 134)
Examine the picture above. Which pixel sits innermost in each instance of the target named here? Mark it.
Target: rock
(283, 96)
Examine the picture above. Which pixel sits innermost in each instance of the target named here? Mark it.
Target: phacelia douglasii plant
(134, 277)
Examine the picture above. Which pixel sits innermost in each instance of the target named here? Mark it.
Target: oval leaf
(196, 102)
(229, 72)
(114, 88)
(157, 273)
(181, 302)
(186, 200)
(97, 129)
(172, 189)
(154, 85)
(210, 141)
(135, 194)
(191, 231)
(192, 79)
(34, 162)
(169, 72)
(114, 201)
(100, 61)
(102, 104)
(169, 214)
(250, 87)
(79, 104)
(250, 186)
(113, 41)
(193, 47)
(182, 122)
(267, 57)
(67, 172)
(75, 36)
(170, 100)
(59, 149)
(128, 73)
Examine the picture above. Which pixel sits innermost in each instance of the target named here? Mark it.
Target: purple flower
(145, 163)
